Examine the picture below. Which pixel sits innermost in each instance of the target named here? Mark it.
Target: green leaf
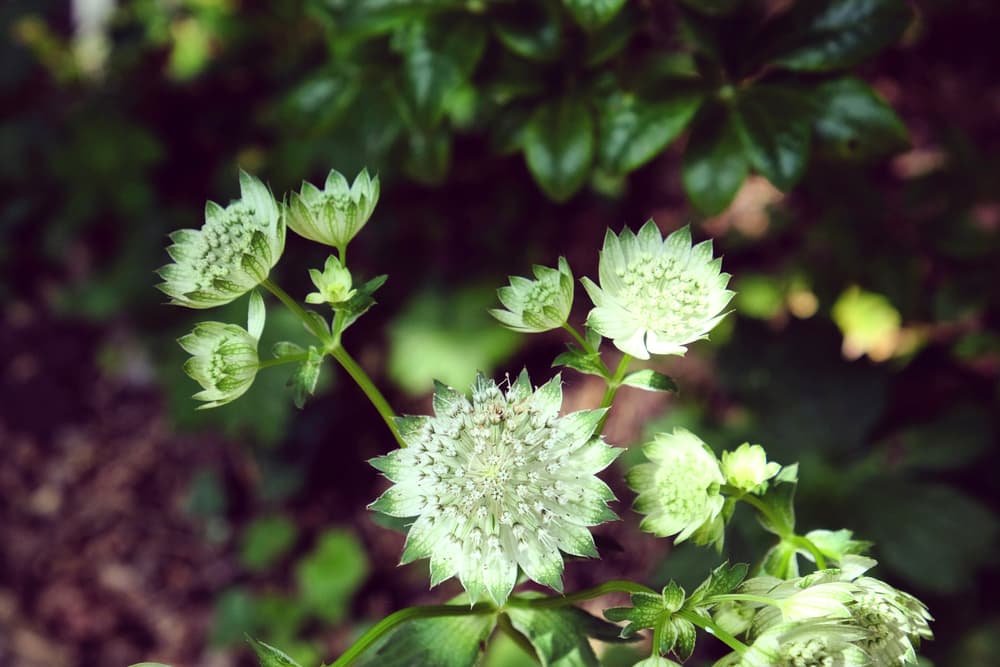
(649, 380)
(559, 146)
(686, 638)
(438, 56)
(451, 641)
(592, 14)
(362, 300)
(269, 656)
(823, 35)
(531, 29)
(780, 500)
(581, 361)
(149, 664)
(612, 38)
(633, 130)
(559, 636)
(774, 126)
(303, 381)
(781, 561)
(284, 348)
(853, 122)
(714, 165)
(331, 573)
(954, 440)
(723, 579)
(713, 7)
(265, 540)
(931, 535)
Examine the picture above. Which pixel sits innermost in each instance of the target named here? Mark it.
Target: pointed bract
(537, 305)
(335, 214)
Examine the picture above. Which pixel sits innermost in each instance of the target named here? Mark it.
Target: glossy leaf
(451, 641)
(634, 130)
(853, 122)
(822, 35)
(270, 656)
(560, 636)
(530, 28)
(714, 165)
(649, 380)
(581, 361)
(559, 146)
(303, 381)
(774, 126)
(592, 14)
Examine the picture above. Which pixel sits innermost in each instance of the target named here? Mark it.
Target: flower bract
(656, 295)
(333, 284)
(335, 214)
(679, 488)
(231, 254)
(224, 357)
(537, 305)
(496, 483)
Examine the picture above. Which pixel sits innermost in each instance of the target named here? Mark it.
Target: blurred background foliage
(842, 154)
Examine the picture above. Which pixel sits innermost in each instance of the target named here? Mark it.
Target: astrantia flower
(537, 305)
(894, 622)
(679, 489)
(656, 296)
(333, 283)
(224, 357)
(815, 643)
(231, 254)
(497, 483)
(747, 467)
(335, 214)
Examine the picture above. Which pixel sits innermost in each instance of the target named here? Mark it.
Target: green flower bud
(747, 468)
(537, 305)
(334, 283)
(657, 295)
(679, 489)
(224, 357)
(231, 254)
(335, 214)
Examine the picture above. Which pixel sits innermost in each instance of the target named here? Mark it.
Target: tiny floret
(335, 214)
(333, 283)
(747, 468)
(656, 295)
(679, 488)
(497, 483)
(224, 357)
(537, 305)
(813, 643)
(231, 254)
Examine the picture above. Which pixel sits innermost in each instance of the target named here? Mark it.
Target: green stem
(739, 597)
(762, 507)
(614, 586)
(290, 359)
(402, 616)
(807, 544)
(657, 638)
(613, 384)
(713, 629)
(579, 339)
(367, 386)
(298, 310)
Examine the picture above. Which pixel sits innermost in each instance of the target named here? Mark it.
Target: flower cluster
(533, 306)
(498, 482)
(656, 295)
(831, 617)
(231, 254)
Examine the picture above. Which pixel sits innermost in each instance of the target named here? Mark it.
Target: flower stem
(300, 312)
(580, 339)
(807, 544)
(786, 532)
(402, 616)
(713, 629)
(290, 359)
(371, 391)
(614, 586)
(739, 597)
(613, 384)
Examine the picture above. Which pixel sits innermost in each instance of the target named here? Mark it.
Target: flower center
(223, 242)
(664, 297)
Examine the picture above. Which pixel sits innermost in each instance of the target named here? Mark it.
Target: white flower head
(813, 643)
(333, 283)
(657, 295)
(894, 622)
(335, 214)
(224, 357)
(231, 254)
(537, 305)
(747, 468)
(679, 488)
(498, 482)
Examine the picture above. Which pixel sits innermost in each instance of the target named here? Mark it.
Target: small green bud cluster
(334, 283)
